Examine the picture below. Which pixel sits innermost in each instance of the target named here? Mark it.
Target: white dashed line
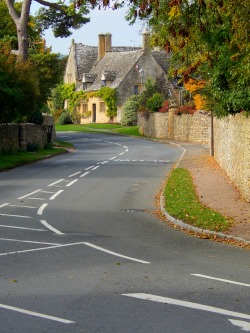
(74, 174)
(5, 204)
(29, 194)
(222, 280)
(196, 306)
(92, 166)
(96, 167)
(55, 195)
(20, 206)
(22, 216)
(58, 181)
(13, 227)
(71, 183)
(112, 158)
(84, 174)
(36, 314)
(115, 254)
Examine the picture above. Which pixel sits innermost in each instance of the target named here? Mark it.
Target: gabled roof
(163, 59)
(85, 56)
(120, 63)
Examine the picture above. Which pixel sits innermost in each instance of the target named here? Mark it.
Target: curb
(198, 231)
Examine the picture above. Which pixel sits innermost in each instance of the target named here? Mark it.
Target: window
(102, 107)
(84, 107)
(103, 83)
(138, 89)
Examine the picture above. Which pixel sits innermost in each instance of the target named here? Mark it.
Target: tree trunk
(23, 43)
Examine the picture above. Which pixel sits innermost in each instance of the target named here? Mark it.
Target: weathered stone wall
(9, 141)
(19, 136)
(182, 128)
(232, 150)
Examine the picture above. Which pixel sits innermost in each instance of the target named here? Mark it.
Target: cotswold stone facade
(231, 139)
(232, 149)
(18, 136)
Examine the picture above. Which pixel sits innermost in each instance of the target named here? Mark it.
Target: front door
(94, 113)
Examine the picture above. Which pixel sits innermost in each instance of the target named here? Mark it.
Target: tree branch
(49, 4)
(12, 11)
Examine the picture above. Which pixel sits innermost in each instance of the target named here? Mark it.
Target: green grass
(12, 160)
(182, 203)
(115, 128)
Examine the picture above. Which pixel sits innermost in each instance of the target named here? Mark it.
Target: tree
(58, 15)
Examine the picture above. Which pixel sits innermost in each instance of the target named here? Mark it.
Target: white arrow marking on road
(185, 304)
(242, 324)
(47, 225)
(223, 280)
(29, 194)
(40, 210)
(55, 195)
(36, 314)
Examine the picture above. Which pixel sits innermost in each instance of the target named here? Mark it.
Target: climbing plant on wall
(109, 95)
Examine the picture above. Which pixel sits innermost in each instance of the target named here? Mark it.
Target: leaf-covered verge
(181, 202)
(9, 161)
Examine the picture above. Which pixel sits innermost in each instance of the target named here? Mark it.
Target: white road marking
(40, 210)
(114, 253)
(121, 154)
(5, 204)
(20, 206)
(190, 305)
(49, 192)
(242, 324)
(29, 194)
(104, 162)
(55, 195)
(222, 280)
(22, 216)
(25, 241)
(39, 249)
(74, 174)
(92, 166)
(112, 158)
(125, 147)
(58, 181)
(96, 167)
(84, 174)
(42, 199)
(71, 183)
(47, 225)
(9, 226)
(36, 314)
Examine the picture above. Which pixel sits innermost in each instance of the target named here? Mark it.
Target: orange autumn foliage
(192, 86)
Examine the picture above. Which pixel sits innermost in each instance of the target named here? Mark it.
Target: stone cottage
(124, 68)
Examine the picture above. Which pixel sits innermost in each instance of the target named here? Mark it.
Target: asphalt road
(82, 249)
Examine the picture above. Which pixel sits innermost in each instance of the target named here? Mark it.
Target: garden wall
(19, 136)
(168, 126)
(232, 150)
(231, 139)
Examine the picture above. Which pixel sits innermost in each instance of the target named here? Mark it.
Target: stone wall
(186, 128)
(19, 136)
(9, 137)
(232, 150)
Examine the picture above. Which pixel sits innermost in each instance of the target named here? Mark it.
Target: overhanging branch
(50, 4)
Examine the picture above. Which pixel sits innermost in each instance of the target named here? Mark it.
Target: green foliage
(149, 91)
(109, 96)
(129, 112)
(49, 72)
(155, 102)
(209, 40)
(61, 20)
(35, 117)
(65, 118)
(19, 92)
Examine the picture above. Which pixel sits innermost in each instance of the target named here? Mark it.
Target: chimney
(108, 43)
(145, 38)
(101, 46)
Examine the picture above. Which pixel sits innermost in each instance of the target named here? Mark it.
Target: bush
(129, 112)
(36, 117)
(155, 102)
(65, 118)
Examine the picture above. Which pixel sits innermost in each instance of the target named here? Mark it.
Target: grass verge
(181, 202)
(115, 128)
(12, 160)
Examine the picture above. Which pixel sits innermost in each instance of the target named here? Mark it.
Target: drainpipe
(212, 135)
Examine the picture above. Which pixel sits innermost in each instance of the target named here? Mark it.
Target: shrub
(165, 107)
(185, 109)
(129, 113)
(155, 102)
(65, 118)
(35, 117)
